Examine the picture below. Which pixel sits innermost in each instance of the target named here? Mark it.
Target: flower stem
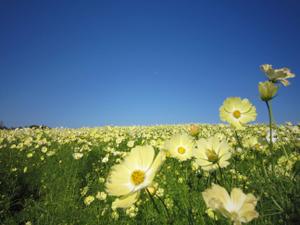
(270, 124)
(152, 199)
(221, 173)
(167, 211)
(238, 139)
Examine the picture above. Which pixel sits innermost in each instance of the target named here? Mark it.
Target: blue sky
(93, 63)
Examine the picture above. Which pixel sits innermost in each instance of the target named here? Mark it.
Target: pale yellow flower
(277, 75)
(180, 146)
(89, 199)
(238, 207)
(125, 201)
(237, 112)
(212, 153)
(267, 90)
(134, 173)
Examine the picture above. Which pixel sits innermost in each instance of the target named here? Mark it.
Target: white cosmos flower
(134, 173)
(180, 146)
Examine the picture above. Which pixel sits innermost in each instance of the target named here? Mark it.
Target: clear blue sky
(93, 63)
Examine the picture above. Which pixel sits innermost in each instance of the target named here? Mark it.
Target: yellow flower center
(237, 114)
(181, 150)
(137, 177)
(212, 156)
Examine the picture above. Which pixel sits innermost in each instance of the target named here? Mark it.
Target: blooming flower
(237, 112)
(212, 153)
(134, 173)
(277, 75)
(180, 146)
(238, 207)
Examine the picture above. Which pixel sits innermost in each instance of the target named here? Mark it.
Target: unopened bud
(194, 130)
(267, 90)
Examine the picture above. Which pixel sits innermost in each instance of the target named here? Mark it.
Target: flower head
(267, 90)
(237, 112)
(134, 173)
(212, 153)
(277, 75)
(238, 207)
(180, 146)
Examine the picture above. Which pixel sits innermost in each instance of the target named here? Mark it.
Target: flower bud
(267, 90)
(194, 130)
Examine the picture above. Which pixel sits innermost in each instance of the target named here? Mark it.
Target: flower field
(169, 174)
(58, 176)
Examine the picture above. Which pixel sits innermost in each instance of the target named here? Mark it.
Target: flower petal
(126, 201)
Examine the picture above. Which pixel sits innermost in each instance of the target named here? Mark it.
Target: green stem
(270, 124)
(221, 173)
(238, 139)
(163, 203)
(152, 199)
(189, 185)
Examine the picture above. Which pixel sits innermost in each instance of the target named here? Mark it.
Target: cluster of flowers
(137, 171)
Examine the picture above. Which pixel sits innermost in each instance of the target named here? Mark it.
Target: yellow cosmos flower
(237, 112)
(180, 146)
(238, 207)
(212, 153)
(277, 75)
(134, 173)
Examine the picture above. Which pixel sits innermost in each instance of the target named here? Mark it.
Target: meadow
(47, 176)
(166, 174)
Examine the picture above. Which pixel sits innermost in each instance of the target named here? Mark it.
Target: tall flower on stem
(237, 112)
(277, 75)
(134, 173)
(268, 90)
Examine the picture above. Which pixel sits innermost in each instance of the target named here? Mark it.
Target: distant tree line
(3, 127)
